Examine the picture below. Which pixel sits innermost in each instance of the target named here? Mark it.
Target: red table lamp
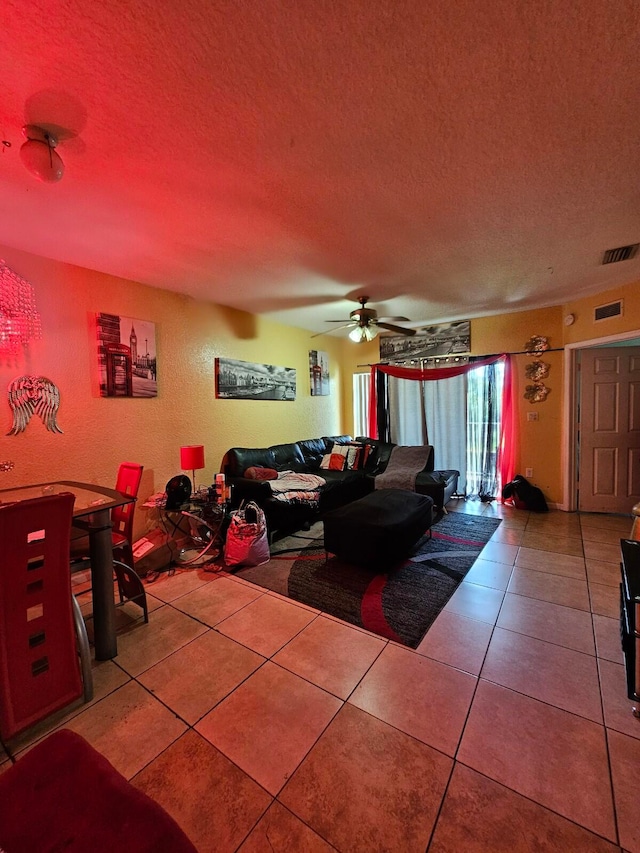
(192, 459)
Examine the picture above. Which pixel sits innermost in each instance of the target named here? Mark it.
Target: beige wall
(101, 432)
(584, 328)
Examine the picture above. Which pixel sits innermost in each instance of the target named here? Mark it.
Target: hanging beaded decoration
(19, 318)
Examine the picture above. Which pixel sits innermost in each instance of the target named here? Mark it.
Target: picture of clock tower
(133, 344)
(127, 359)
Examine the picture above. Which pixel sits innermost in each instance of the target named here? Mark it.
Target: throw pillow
(257, 473)
(336, 460)
(358, 455)
(353, 457)
(368, 451)
(332, 462)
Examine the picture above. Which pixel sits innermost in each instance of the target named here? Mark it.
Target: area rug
(399, 605)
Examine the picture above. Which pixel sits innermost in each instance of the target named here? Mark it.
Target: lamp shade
(192, 457)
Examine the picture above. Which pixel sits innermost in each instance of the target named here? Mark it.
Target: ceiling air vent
(605, 312)
(622, 253)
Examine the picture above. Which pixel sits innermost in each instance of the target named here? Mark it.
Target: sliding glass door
(460, 416)
(484, 412)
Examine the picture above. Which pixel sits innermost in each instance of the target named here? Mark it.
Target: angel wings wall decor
(33, 394)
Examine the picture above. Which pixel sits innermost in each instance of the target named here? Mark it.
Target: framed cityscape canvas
(126, 356)
(437, 340)
(243, 380)
(318, 373)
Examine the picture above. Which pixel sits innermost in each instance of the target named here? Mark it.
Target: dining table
(91, 515)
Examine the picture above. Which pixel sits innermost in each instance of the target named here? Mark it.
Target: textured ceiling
(451, 159)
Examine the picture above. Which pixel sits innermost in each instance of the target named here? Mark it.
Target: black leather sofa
(341, 487)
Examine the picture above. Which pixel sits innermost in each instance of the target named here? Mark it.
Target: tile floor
(262, 725)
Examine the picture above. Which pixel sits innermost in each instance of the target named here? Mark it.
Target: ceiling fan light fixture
(39, 156)
(363, 333)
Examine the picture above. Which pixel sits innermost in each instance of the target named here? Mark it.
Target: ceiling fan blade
(395, 319)
(334, 321)
(399, 330)
(329, 331)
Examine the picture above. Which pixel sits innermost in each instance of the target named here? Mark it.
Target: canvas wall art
(243, 380)
(437, 340)
(318, 373)
(126, 356)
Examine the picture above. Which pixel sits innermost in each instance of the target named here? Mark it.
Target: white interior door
(609, 429)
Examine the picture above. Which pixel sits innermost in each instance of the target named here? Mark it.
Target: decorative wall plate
(536, 343)
(536, 393)
(537, 370)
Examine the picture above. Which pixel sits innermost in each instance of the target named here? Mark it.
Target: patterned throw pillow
(357, 455)
(353, 457)
(336, 459)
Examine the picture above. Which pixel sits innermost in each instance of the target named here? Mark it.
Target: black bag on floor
(524, 495)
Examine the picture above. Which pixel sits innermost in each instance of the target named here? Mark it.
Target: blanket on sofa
(293, 487)
(405, 463)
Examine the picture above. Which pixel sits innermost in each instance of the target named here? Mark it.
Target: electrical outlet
(528, 472)
(532, 416)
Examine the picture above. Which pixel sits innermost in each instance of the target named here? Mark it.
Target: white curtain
(407, 422)
(446, 413)
(360, 404)
(432, 413)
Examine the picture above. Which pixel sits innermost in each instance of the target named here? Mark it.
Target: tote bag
(247, 543)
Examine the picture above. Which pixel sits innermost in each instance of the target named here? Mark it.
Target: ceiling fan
(365, 324)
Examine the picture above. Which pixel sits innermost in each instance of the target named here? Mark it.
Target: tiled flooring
(263, 726)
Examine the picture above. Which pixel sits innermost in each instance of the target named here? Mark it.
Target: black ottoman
(379, 529)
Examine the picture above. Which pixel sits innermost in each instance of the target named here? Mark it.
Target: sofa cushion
(336, 439)
(342, 487)
(346, 476)
(238, 459)
(313, 449)
(287, 457)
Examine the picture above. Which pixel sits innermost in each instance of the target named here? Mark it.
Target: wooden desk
(91, 513)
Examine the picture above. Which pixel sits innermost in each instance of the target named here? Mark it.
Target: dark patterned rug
(399, 605)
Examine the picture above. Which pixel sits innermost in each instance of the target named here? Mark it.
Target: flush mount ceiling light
(39, 155)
